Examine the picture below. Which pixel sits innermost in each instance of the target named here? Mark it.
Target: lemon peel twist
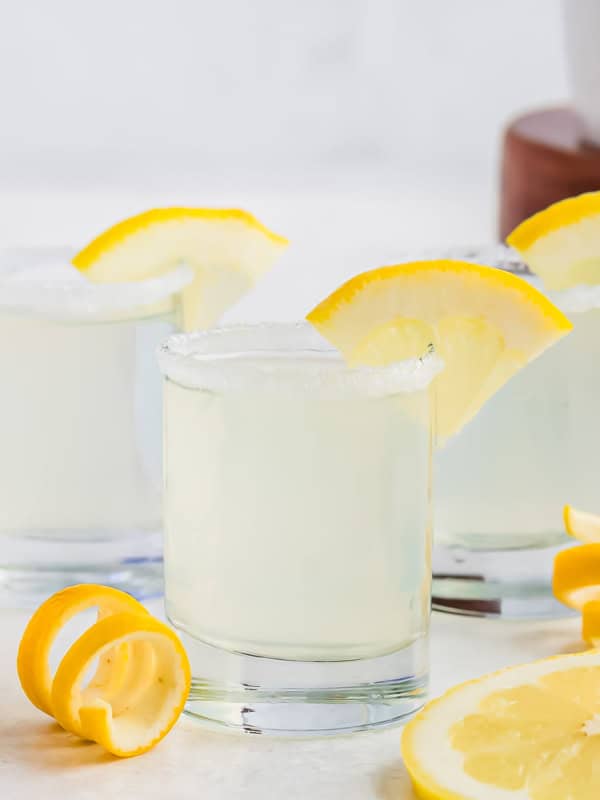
(140, 684)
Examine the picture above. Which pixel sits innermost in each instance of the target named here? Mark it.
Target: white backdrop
(122, 90)
(359, 128)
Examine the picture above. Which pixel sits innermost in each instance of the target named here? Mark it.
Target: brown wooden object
(544, 159)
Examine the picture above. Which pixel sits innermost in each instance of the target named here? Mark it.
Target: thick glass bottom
(35, 564)
(502, 583)
(250, 694)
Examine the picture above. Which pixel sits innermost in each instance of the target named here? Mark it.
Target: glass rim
(265, 353)
(26, 291)
(497, 255)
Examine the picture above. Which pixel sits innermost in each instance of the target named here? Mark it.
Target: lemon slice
(485, 323)
(562, 243)
(228, 249)
(530, 732)
(576, 575)
(130, 721)
(581, 524)
(45, 625)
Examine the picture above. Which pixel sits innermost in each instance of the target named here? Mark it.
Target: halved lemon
(561, 244)
(228, 249)
(576, 575)
(530, 732)
(581, 524)
(485, 324)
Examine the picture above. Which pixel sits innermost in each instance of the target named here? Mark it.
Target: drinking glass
(502, 482)
(297, 529)
(80, 426)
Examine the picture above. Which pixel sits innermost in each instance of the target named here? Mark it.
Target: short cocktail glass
(502, 482)
(80, 426)
(297, 529)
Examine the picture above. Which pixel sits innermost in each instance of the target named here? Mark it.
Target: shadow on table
(393, 783)
(548, 641)
(47, 744)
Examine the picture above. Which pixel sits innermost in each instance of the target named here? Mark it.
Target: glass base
(497, 583)
(252, 694)
(35, 564)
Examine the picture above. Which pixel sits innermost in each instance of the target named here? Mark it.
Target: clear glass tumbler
(502, 482)
(80, 427)
(297, 529)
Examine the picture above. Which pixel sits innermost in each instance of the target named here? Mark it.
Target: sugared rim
(279, 355)
(495, 255)
(42, 282)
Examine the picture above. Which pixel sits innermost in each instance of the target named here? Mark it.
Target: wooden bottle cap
(544, 159)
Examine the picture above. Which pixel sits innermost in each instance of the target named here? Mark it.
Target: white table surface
(39, 760)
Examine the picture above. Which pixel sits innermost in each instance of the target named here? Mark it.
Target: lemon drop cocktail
(502, 483)
(298, 498)
(80, 409)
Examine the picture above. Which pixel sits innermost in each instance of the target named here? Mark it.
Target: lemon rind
(576, 572)
(558, 215)
(121, 231)
(570, 516)
(324, 312)
(45, 625)
(97, 722)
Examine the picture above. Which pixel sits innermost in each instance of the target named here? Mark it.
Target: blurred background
(359, 128)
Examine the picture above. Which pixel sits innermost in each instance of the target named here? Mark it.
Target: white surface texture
(38, 759)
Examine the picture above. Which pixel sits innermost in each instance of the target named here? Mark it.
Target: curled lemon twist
(576, 575)
(142, 678)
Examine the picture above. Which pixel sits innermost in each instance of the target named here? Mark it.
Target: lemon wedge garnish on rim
(228, 250)
(581, 524)
(561, 244)
(142, 676)
(484, 323)
(530, 732)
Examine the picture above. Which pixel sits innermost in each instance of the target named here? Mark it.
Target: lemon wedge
(561, 244)
(228, 250)
(576, 575)
(530, 732)
(581, 524)
(141, 681)
(485, 324)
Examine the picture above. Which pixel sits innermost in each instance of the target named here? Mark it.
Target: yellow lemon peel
(484, 323)
(227, 249)
(576, 575)
(45, 625)
(140, 684)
